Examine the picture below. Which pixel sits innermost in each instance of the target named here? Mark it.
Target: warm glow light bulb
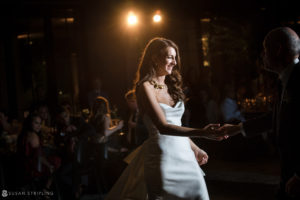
(156, 18)
(132, 19)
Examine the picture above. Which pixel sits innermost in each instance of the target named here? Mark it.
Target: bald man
(281, 53)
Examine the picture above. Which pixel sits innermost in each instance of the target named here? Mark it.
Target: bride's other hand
(201, 156)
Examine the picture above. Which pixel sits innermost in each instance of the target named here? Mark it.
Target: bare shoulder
(146, 95)
(144, 88)
(33, 139)
(146, 85)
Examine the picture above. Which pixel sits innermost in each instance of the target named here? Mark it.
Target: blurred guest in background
(43, 111)
(101, 121)
(32, 158)
(68, 128)
(136, 131)
(229, 108)
(9, 126)
(5, 126)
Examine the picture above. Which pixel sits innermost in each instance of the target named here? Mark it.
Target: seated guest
(68, 129)
(9, 131)
(68, 106)
(47, 129)
(43, 112)
(10, 127)
(33, 159)
(229, 107)
(5, 127)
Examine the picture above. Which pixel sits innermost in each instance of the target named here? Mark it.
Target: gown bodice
(173, 116)
(164, 167)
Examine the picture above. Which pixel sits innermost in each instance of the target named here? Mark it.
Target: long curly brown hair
(99, 110)
(146, 69)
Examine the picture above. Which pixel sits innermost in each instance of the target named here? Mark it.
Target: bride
(167, 164)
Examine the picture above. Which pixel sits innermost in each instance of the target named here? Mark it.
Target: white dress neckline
(176, 104)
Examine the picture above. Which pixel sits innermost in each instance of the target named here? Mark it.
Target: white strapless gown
(164, 167)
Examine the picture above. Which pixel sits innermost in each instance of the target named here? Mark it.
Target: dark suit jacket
(284, 122)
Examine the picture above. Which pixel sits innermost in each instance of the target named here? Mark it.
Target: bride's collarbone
(162, 96)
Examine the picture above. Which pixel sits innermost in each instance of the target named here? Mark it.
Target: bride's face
(166, 62)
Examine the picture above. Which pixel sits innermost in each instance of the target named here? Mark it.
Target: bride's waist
(170, 138)
(166, 150)
(166, 143)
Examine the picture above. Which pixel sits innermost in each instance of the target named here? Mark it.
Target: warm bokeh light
(132, 19)
(30, 36)
(70, 20)
(205, 50)
(157, 18)
(205, 20)
(206, 63)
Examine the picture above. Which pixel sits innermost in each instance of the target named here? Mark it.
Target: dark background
(61, 46)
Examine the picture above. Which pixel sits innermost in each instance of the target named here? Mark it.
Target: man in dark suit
(281, 52)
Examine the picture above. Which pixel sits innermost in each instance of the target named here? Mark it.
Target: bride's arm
(148, 104)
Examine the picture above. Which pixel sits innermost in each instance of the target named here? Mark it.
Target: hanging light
(157, 17)
(132, 19)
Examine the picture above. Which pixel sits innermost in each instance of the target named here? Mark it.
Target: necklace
(156, 85)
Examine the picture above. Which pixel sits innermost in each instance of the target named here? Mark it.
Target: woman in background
(101, 121)
(29, 148)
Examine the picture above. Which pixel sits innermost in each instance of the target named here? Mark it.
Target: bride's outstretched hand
(214, 132)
